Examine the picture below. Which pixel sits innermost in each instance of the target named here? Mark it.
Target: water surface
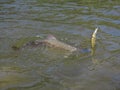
(71, 21)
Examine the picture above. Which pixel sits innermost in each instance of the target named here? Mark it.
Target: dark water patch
(6, 1)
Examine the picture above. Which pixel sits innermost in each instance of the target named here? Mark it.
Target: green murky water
(71, 21)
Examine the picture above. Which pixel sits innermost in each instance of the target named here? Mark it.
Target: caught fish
(93, 39)
(93, 42)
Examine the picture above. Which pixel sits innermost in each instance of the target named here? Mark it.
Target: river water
(71, 21)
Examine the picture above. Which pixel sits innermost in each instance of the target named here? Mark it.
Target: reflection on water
(71, 21)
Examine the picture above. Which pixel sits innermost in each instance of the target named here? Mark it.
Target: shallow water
(71, 21)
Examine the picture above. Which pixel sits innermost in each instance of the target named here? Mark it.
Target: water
(71, 21)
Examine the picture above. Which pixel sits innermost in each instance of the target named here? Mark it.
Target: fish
(93, 39)
(52, 41)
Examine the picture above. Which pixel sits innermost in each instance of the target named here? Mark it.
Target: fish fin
(51, 37)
